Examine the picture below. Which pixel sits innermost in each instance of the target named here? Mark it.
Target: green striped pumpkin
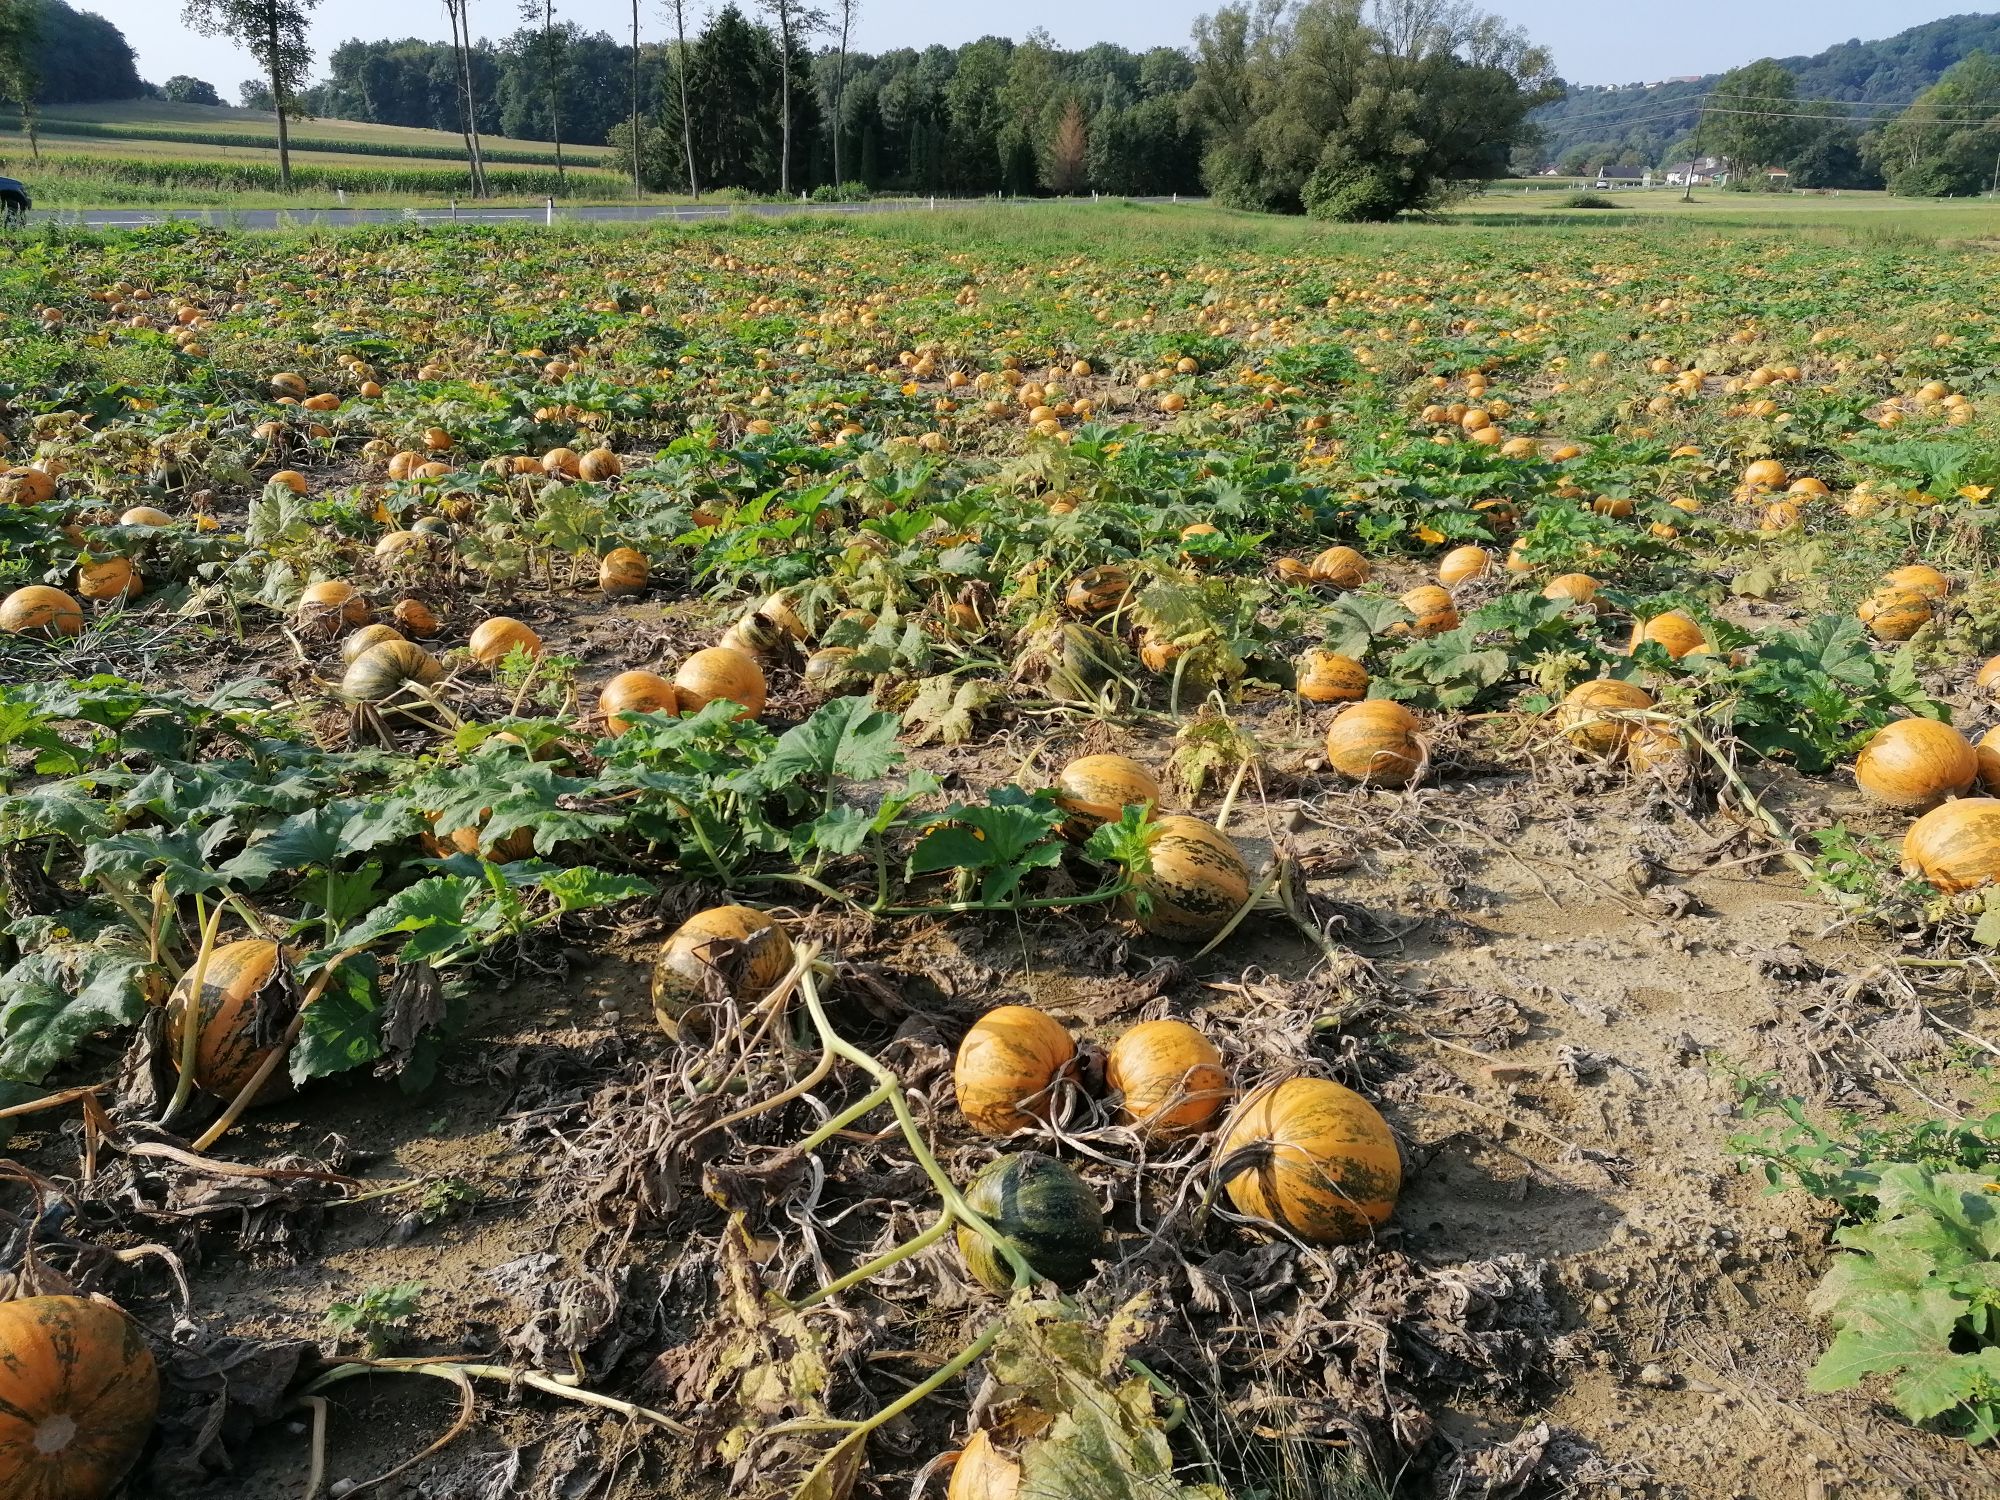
(245, 990)
(1311, 1157)
(1047, 1212)
(1197, 882)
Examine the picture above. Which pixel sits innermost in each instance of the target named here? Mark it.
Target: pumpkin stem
(955, 1205)
(1786, 840)
(880, 1263)
(191, 1019)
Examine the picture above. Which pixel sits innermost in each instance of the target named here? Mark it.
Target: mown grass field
(699, 751)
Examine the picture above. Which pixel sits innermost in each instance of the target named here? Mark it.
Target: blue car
(14, 200)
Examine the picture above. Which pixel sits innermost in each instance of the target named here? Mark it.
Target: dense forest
(77, 55)
(967, 120)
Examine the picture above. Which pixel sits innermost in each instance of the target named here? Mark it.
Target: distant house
(1778, 177)
(1703, 171)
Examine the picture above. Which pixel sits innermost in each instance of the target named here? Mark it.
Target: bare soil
(1566, 972)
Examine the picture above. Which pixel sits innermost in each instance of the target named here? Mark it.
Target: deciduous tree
(20, 32)
(1750, 119)
(796, 22)
(275, 33)
(183, 89)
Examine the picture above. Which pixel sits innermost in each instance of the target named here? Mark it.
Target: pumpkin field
(1094, 851)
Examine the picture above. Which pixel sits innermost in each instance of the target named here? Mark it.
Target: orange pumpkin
(79, 1393)
(1657, 747)
(1197, 880)
(246, 992)
(1987, 680)
(328, 608)
(1462, 565)
(563, 462)
(1376, 741)
(40, 610)
(145, 515)
(1329, 677)
(1918, 578)
(1988, 753)
(734, 951)
(1894, 614)
(717, 673)
(623, 571)
(1340, 568)
(1009, 1058)
(28, 486)
(493, 640)
(1582, 713)
(1956, 846)
(415, 617)
(983, 1472)
(635, 693)
(1765, 474)
(1311, 1157)
(1432, 612)
(1096, 789)
(1572, 588)
(1916, 764)
(1168, 1076)
(1097, 590)
(1673, 630)
(599, 464)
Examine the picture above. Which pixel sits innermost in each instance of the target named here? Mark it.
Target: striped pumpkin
(1311, 1157)
(1009, 1057)
(1197, 880)
(1096, 789)
(1894, 614)
(1957, 846)
(726, 950)
(1329, 677)
(78, 1396)
(1048, 1213)
(246, 994)
(1376, 742)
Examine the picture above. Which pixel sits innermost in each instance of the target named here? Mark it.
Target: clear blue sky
(1634, 41)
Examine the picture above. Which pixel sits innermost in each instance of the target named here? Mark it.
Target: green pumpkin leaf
(50, 1002)
(343, 1028)
(848, 737)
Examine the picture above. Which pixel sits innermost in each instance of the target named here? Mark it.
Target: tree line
(1346, 109)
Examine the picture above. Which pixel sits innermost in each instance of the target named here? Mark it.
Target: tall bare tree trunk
(555, 87)
(785, 101)
(471, 99)
(840, 86)
(451, 8)
(278, 98)
(687, 120)
(638, 182)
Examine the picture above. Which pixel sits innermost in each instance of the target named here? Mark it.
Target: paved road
(274, 218)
